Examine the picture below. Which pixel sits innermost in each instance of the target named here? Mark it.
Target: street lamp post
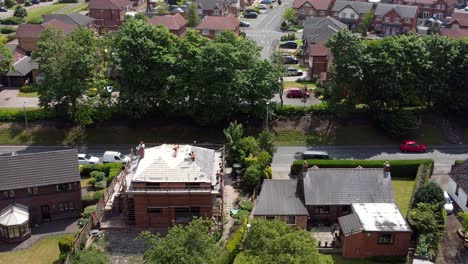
(267, 104)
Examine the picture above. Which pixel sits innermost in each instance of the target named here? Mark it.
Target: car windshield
(87, 156)
(121, 156)
(447, 200)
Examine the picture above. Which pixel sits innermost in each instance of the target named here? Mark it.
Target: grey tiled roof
(211, 4)
(402, 10)
(459, 174)
(39, 169)
(359, 7)
(331, 186)
(71, 18)
(320, 29)
(350, 224)
(279, 197)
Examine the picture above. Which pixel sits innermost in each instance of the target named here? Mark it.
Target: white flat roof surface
(160, 164)
(380, 217)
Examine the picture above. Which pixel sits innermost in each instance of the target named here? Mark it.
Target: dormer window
(216, 12)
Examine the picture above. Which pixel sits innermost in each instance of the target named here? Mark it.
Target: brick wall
(47, 196)
(319, 64)
(391, 27)
(109, 19)
(364, 245)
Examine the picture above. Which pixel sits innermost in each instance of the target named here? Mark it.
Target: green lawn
(78, 8)
(340, 260)
(45, 251)
(36, 13)
(310, 85)
(403, 189)
(33, 94)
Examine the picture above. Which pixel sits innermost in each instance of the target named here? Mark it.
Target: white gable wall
(461, 198)
(346, 13)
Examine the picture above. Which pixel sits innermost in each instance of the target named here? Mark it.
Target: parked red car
(412, 146)
(297, 93)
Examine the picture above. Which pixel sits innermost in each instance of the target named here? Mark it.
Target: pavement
(9, 98)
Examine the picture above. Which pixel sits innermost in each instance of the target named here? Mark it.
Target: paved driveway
(9, 98)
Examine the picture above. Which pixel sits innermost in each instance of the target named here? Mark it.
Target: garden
(95, 178)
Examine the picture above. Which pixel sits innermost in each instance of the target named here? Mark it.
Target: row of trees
(157, 72)
(397, 72)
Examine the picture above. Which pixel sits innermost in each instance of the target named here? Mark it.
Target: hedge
(398, 168)
(422, 176)
(7, 30)
(233, 244)
(11, 21)
(290, 110)
(9, 115)
(110, 169)
(28, 89)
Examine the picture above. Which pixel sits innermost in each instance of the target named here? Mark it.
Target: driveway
(9, 99)
(296, 101)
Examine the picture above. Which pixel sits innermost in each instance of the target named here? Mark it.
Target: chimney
(175, 148)
(386, 170)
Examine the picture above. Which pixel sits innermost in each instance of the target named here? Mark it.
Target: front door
(45, 212)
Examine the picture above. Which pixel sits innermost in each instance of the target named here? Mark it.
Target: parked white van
(114, 156)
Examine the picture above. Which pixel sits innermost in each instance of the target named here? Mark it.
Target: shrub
(100, 185)
(251, 178)
(7, 30)
(246, 205)
(65, 245)
(98, 175)
(27, 3)
(233, 244)
(10, 3)
(88, 256)
(428, 245)
(92, 181)
(20, 12)
(429, 193)
(7, 115)
(97, 195)
(109, 169)
(399, 123)
(11, 20)
(241, 216)
(88, 211)
(294, 111)
(398, 168)
(28, 89)
(87, 197)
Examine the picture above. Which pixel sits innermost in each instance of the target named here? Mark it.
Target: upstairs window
(33, 190)
(205, 32)
(64, 187)
(9, 194)
(385, 239)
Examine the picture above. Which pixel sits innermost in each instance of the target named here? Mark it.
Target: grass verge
(309, 85)
(77, 8)
(28, 95)
(45, 251)
(36, 13)
(403, 190)
(84, 182)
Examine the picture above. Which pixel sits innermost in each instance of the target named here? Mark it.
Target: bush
(100, 185)
(98, 175)
(294, 111)
(399, 123)
(110, 169)
(11, 21)
(398, 168)
(92, 181)
(97, 195)
(28, 89)
(87, 197)
(27, 3)
(89, 256)
(251, 178)
(65, 245)
(233, 244)
(429, 193)
(428, 246)
(246, 205)
(241, 216)
(10, 3)
(8, 115)
(20, 12)
(88, 211)
(7, 30)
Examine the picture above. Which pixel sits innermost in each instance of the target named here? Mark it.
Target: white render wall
(461, 198)
(348, 11)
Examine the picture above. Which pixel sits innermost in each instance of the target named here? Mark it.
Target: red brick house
(213, 26)
(171, 184)
(374, 229)
(175, 23)
(438, 9)
(48, 183)
(110, 14)
(305, 8)
(213, 7)
(350, 13)
(319, 57)
(454, 33)
(395, 19)
(459, 20)
(281, 200)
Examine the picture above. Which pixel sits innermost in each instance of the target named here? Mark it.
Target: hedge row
(110, 169)
(398, 168)
(8, 115)
(422, 176)
(290, 110)
(233, 244)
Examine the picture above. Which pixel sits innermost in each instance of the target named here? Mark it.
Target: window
(186, 214)
(9, 194)
(218, 32)
(322, 12)
(153, 185)
(352, 15)
(378, 27)
(407, 20)
(387, 19)
(456, 190)
(346, 209)
(397, 20)
(64, 187)
(205, 32)
(442, 6)
(154, 210)
(439, 16)
(455, 26)
(321, 209)
(437, 7)
(200, 11)
(385, 239)
(379, 17)
(216, 12)
(406, 29)
(343, 15)
(291, 220)
(427, 6)
(270, 218)
(65, 206)
(33, 190)
(425, 14)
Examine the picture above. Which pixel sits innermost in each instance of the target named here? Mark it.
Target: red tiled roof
(460, 17)
(318, 50)
(454, 33)
(174, 22)
(108, 4)
(18, 54)
(219, 23)
(35, 30)
(317, 4)
(430, 2)
(67, 28)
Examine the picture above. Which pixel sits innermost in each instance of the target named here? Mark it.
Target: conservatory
(14, 223)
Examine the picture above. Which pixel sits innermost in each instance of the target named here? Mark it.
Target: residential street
(9, 99)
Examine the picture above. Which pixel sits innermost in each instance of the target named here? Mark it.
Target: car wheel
(422, 151)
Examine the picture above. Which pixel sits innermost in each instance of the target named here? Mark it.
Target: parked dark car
(288, 59)
(35, 2)
(288, 45)
(3, 9)
(244, 24)
(297, 93)
(292, 72)
(251, 15)
(266, 2)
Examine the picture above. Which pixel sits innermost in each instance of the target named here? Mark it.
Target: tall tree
(6, 58)
(192, 15)
(144, 79)
(276, 242)
(190, 244)
(458, 81)
(367, 22)
(278, 62)
(233, 135)
(289, 14)
(162, 9)
(68, 63)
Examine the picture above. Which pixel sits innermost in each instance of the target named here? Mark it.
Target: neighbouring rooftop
(279, 197)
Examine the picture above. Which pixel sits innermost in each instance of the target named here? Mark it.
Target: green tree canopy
(192, 15)
(190, 244)
(430, 193)
(289, 14)
(20, 12)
